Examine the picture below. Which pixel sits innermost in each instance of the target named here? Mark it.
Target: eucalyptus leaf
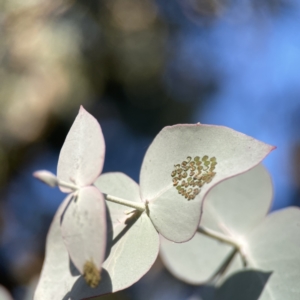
(218, 153)
(82, 155)
(119, 185)
(233, 208)
(273, 248)
(135, 242)
(83, 226)
(133, 245)
(56, 278)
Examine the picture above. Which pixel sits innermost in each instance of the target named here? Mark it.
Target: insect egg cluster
(192, 174)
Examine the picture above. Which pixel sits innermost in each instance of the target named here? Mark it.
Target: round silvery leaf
(119, 185)
(131, 253)
(82, 154)
(83, 227)
(274, 246)
(56, 278)
(233, 207)
(272, 251)
(135, 242)
(183, 163)
(187, 262)
(237, 205)
(132, 249)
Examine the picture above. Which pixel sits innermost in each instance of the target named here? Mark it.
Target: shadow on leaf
(110, 241)
(244, 285)
(80, 290)
(109, 232)
(73, 270)
(129, 223)
(73, 197)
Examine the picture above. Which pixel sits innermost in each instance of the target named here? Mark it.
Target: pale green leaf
(195, 261)
(83, 227)
(122, 186)
(232, 208)
(82, 154)
(137, 242)
(132, 249)
(237, 205)
(272, 252)
(56, 278)
(175, 217)
(274, 246)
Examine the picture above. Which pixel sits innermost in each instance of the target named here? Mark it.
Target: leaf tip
(270, 149)
(82, 109)
(91, 274)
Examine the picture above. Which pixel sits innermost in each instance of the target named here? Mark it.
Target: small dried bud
(91, 274)
(46, 177)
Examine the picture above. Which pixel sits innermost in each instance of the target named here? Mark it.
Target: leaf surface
(173, 215)
(131, 252)
(83, 228)
(135, 242)
(118, 185)
(273, 248)
(233, 207)
(56, 278)
(82, 155)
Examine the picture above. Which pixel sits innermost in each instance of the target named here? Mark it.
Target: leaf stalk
(68, 185)
(224, 239)
(138, 206)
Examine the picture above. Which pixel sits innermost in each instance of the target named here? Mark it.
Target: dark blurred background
(137, 66)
